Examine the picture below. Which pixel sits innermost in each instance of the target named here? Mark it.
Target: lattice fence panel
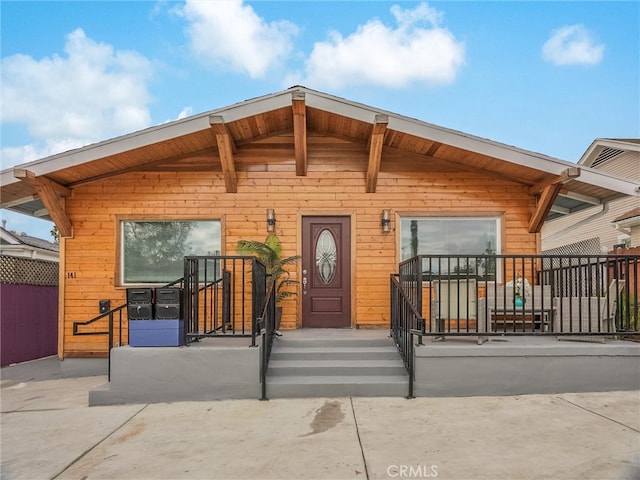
(25, 271)
(577, 276)
(590, 246)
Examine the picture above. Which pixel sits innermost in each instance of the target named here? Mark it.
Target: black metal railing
(114, 328)
(110, 331)
(560, 295)
(406, 322)
(223, 296)
(228, 296)
(267, 327)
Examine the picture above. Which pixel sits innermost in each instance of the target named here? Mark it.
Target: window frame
(498, 217)
(119, 279)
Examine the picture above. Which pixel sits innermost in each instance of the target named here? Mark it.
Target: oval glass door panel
(326, 256)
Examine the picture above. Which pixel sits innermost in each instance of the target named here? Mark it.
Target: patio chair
(456, 300)
(588, 314)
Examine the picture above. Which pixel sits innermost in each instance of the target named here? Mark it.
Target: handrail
(109, 331)
(405, 297)
(404, 317)
(95, 319)
(113, 310)
(266, 321)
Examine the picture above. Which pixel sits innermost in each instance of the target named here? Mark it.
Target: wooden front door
(326, 272)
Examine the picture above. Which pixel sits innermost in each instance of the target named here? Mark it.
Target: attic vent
(607, 153)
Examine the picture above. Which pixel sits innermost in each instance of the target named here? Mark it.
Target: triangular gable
(218, 135)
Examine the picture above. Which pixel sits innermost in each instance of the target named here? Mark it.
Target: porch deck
(223, 368)
(524, 365)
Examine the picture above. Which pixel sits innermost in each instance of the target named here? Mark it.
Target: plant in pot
(522, 290)
(269, 252)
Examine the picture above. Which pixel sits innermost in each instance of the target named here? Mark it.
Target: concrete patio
(48, 431)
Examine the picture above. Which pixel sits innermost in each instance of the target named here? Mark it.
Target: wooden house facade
(353, 190)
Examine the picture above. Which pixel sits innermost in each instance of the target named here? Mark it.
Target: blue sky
(544, 76)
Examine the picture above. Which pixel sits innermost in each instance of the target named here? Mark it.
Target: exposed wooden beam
(220, 128)
(55, 207)
(225, 150)
(483, 171)
(566, 175)
(144, 167)
(375, 151)
(545, 202)
(48, 192)
(30, 177)
(433, 149)
(300, 132)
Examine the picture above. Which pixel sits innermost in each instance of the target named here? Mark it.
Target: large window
(152, 251)
(466, 237)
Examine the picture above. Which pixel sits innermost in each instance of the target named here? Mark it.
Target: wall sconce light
(386, 221)
(271, 220)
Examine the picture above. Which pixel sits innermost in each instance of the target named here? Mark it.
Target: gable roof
(215, 135)
(14, 238)
(600, 156)
(13, 244)
(628, 219)
(604, 149)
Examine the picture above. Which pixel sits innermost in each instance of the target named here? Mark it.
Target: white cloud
(572, 45)
(186, 111)
(232, 36)
(417, 50)
(88, 94)
(12, 156)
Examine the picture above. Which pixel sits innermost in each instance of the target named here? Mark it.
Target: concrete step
(341, 367)
(322, 342)
(335, 353)
(337, 386)
(335, 364)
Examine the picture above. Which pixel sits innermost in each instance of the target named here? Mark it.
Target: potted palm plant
(269, 252)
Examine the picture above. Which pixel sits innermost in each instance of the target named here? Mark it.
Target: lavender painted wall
(28, 322)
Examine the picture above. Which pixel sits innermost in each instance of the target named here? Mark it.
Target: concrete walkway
(49, 432)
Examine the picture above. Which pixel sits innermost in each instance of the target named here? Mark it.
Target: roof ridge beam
(376, 143)
(300, 132)
(48, 191)
(226, 148)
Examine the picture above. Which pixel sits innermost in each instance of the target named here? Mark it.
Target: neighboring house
(29, 297)
(22, 245)
(604, 225)
(350, 188)
(629, 222)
